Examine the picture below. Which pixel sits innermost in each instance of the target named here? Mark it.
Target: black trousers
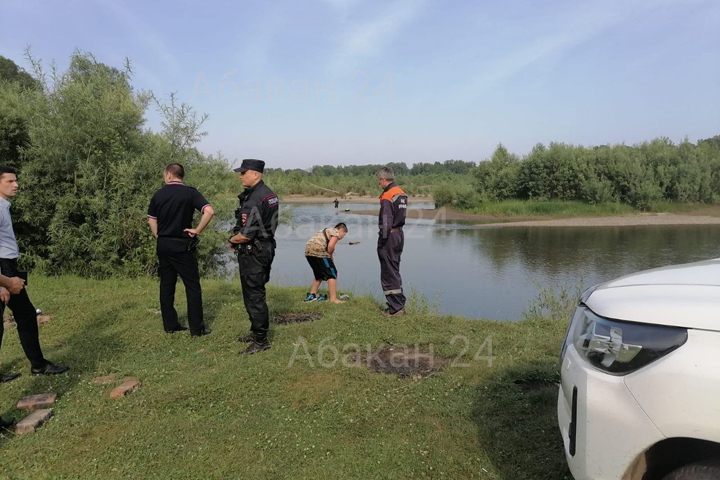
(25, 317)
(254, 275)
(389, 255)
(176, 260)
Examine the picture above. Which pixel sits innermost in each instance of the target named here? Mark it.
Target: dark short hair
(5, 169)
(176, 170)
(341, 226)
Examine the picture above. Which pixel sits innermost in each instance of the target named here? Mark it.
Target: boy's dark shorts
(323, 268)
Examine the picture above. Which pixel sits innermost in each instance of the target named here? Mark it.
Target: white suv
(640, 391)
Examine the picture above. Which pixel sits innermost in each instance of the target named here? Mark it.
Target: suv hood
(679, 295)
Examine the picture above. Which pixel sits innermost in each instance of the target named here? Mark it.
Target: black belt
(398, 229)
(190, 243)
(177, 239)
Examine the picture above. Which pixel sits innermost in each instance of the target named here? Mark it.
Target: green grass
(205, 412)
(667, 206)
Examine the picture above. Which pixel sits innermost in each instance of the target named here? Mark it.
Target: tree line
(637, 175)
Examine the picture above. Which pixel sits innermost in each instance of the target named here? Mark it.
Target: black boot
(201, 333)
(179, 328)
(256, 346)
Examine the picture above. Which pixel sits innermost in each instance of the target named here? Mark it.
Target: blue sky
(307, 82)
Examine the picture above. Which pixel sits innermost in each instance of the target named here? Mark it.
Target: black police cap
(251, 164)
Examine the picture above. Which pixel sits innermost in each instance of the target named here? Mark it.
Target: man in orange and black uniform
(393, 207)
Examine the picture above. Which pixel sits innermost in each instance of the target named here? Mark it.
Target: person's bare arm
(207, 215)
(331, 245)
(153, 226)
(239, 238)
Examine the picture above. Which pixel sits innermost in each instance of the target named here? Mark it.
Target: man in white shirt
(20, 304)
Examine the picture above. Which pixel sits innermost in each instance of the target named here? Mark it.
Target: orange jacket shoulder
(391, 193)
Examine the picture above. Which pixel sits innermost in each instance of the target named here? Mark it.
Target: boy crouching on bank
(319, 253)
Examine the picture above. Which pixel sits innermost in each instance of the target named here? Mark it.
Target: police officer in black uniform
(253, 241)
(170, 216)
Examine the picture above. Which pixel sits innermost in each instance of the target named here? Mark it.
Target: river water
(485, 272)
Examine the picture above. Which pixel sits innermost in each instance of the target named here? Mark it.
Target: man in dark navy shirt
(170, 218)
(254, 241)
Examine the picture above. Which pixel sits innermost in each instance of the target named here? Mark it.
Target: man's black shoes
(49, 369)
(202, 333)
(256, 347)
(179, 328)
(4, 378)
(6, 424)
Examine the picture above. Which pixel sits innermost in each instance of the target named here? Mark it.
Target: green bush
(597, 190)
(444, 196)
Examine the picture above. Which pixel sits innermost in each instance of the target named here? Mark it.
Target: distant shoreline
(450, 215)
(445, 215)
(642, 219)
(368, 199)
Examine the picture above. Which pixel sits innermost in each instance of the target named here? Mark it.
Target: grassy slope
(204, 412)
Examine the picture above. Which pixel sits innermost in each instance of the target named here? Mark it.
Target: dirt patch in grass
(402, 361)
(300, 317)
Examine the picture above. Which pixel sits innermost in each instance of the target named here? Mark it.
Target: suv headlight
(619, 347)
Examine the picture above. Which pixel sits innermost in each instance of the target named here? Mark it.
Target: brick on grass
(33, 421)
(43, 319)
(34, 402)
(127, 386)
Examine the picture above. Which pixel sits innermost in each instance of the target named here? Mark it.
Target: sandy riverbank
(620, 221)
(449, 214)
(445, 215)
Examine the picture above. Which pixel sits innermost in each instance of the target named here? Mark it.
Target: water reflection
(602, 252)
